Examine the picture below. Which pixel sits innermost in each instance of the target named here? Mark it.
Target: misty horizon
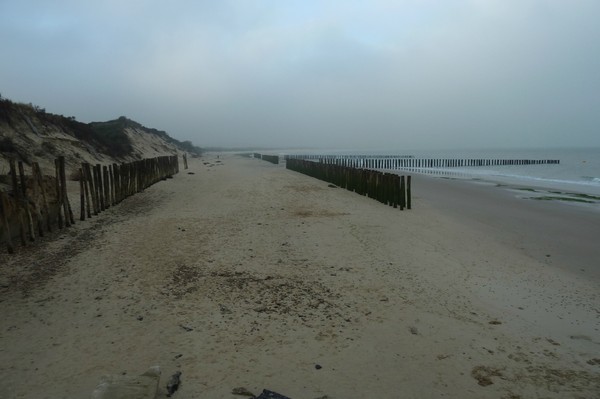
(266, 74)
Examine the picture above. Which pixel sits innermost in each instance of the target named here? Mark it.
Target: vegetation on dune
(107, 137)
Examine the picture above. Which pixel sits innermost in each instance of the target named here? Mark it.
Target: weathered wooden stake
(99, 188)
(408, 194)
(25, 202)
(4, 207)
(36, 207)
(81, 195)
(17, 194)
(86, 189)
(58, 194)
(402, 193)
(106, 187)
(40, 181)
(63, 188)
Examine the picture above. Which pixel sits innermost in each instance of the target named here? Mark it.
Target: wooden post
(99, 188)
(90, 190)
(408, 193)
(86, 189)
(81, 195)
(402, 193)
(117, 182)
(58, 194)
(111, 175)
(40, 181)
(4, 207)
(106, 187)
(25, 202)
(36, 207)
(17, 194)
(63, 189)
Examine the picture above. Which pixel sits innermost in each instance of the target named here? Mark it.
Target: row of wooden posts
(269, 158)
(406, 161)
(31, 208)
(43, 204)
(387, 188)
(102, 186)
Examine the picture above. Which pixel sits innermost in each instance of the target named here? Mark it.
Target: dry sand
(244, 274)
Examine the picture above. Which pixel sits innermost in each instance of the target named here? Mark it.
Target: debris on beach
(173, 384)
(266, 394)
(241, 391)
(121, 386)
(483, 375)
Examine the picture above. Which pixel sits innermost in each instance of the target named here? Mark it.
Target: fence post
(25, 202)
(58, 194)
(106, 187)
(81, 195)
(402, 193)
(4, 212)
(65, 199)
(37, 208)
(408, 193)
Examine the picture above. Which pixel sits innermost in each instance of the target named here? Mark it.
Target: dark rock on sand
(173, 384)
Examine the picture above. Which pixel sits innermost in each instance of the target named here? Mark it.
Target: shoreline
(241, 273)
(563, 230)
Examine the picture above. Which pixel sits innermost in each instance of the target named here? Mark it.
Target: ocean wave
(591, 178)
(589, 181)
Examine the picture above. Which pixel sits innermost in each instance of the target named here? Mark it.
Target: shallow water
(578, 171)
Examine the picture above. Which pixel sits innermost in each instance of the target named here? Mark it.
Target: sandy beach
(240, 273)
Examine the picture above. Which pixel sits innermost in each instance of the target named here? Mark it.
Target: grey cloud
(378, 74)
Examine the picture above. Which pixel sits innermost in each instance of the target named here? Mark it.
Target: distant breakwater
(388, 188)
(391, 162)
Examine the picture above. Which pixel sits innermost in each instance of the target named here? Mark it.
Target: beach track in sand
(240, 273)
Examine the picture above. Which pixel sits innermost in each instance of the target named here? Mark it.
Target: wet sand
(244, 274)
(563, 234)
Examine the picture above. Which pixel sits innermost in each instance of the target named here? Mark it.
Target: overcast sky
(376, 74)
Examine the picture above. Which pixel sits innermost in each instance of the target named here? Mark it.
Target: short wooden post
(63, 193)
(40, 181)
(402, 193)
(17, 195)
(111, 175)
(25, 202)
(36, 206)
(86, 189)
(4, 207)
(408, 194)
(81, 195)
(100, 188)
(106, 187)
(58, 193)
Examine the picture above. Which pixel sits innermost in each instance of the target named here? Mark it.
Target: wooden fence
(387, 188)
(40, 203)
(409, 162)
(269, 158)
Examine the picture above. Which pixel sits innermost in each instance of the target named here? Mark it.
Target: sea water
(577, 172)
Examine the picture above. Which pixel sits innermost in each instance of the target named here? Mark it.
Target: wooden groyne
(39, 204)
(387, 188)
(391, 162)
(269, 158)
